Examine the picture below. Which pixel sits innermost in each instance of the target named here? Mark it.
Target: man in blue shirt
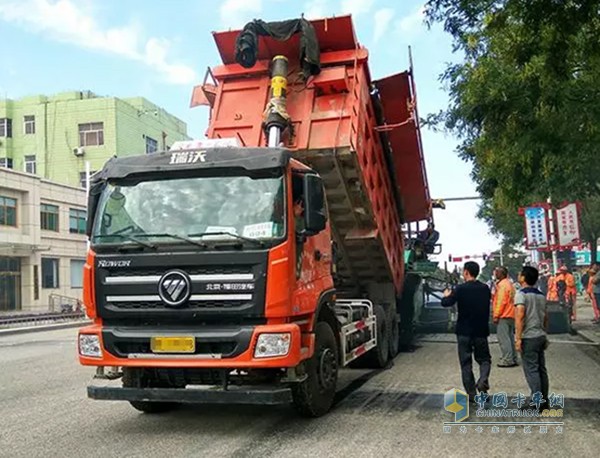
(472, 328)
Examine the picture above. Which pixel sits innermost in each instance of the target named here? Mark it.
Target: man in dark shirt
(472, 328)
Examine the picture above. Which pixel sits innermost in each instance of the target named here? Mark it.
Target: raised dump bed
(360, 135)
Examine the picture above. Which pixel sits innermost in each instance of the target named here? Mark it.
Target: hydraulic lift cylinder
(276, 116)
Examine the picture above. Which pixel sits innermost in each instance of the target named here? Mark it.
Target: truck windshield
(230, 208)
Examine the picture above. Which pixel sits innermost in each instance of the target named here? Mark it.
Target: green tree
(525, 102)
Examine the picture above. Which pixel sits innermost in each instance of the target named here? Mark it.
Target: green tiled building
(54, 136)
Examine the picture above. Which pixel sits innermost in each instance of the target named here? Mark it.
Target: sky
(160, 49)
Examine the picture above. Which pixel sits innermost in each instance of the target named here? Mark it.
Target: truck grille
(155, 305)
(184, 287)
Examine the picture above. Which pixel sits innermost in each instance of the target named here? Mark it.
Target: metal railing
(60, 308)
(64, 304)
(37, 319)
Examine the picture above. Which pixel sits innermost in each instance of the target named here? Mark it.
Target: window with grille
(6, 127)
(151, 145)
(49, 217)
(6, 162)
(29, 124)
(77, 221)
(8, 211)
(50, 273)
(29, 164)
(91, 134)
(82, 178)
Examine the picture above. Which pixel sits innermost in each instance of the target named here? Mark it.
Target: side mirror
(315, 216)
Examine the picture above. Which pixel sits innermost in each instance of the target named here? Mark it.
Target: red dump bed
(374, 181)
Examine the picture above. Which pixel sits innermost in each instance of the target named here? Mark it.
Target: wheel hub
(327, 368)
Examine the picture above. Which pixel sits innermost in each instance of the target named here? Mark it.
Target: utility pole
(87, 190)
(501, 255)
(552, 236)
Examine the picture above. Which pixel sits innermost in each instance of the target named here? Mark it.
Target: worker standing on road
(590, 292)
(596, 284)
(472, 328)
(552, 294)
(504, 317)
(570, 290)
(530, 338)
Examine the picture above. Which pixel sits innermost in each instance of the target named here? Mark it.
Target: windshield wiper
(260, 243)
(126, 237)
(175, 236)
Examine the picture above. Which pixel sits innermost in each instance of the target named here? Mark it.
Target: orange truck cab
(249, 267)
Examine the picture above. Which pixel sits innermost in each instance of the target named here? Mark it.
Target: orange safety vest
(571, 284)
(552, 291)
(504, 300)
(590, 286)
(569, 280)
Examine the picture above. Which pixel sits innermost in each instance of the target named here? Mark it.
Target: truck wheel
(406, 306)
(136, 378)
(152, 407)
(394, 345)
(314, 396)
(378, 356)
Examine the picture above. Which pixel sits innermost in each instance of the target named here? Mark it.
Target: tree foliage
(525, 102)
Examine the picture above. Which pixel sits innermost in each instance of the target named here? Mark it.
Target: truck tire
(394, 345)
(406, 309)
(377, 358)
(314, 396)
(135, 378)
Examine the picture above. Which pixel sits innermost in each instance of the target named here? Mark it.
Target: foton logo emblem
(188, 157)
(122, 263)
(174, 288)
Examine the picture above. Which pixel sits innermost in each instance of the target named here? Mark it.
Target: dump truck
(251, 266)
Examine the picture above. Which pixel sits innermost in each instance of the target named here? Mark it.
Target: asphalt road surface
(395, 412)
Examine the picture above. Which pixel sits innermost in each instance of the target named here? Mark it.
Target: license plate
(173, 344)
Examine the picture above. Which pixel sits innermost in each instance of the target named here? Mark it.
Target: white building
(42, 242)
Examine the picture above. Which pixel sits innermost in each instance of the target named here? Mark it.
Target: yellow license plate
(173, 344)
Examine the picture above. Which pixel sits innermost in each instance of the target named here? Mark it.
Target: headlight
(270, 345)
(89, 345)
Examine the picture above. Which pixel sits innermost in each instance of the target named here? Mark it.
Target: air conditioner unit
(79, 152)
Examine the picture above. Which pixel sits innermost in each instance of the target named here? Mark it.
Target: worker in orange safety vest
(590, 292)
(504, 317)
(552, 290)
(570, 289)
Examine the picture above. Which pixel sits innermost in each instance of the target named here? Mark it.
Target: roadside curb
(588, 335)
(42, 328)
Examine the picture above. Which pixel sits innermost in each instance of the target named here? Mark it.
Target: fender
(326, 297)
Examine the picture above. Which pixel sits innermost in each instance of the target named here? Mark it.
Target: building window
(29, 125)
(49, 217)
(50, 278)
(77, 221)
(8, 211)
(151, 145)
(30, 166)
(82, 178)
(77, 273)
(91, 134)
(6, 162)
(6, 127)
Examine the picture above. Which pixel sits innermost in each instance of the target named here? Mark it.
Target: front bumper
(128, 347)
(267, 395)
